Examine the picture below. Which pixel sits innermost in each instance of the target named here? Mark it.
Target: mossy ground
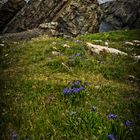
(32, 80)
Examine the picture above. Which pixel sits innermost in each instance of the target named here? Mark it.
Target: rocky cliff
(70, 17)
(120, 14)
(8, 10)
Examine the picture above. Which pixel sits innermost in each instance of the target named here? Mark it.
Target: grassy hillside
(53, 89)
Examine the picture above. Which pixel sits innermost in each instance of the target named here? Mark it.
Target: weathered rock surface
(72, 17)
(9, 10)
(120, 14)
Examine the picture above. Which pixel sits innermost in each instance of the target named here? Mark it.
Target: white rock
(56, 53)
(2, 45)
(98, 49)
(66, 46)
(129, 43)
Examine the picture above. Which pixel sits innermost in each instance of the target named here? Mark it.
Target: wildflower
(66, 91)
(14, 135)
(72, 84)
(70, 57)
(111, 137)
(81, 88)
(112, 116)
(77, 82)
(71, 91)
(128, 123)
(76, 90)
(78, 54)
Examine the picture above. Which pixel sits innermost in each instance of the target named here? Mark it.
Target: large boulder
(120, 14)
(8, 10)
(72, 17)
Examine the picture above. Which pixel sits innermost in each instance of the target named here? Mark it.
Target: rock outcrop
(9, 10)
(120, 14)
(70, 17)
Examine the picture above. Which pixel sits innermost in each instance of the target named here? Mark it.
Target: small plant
(75, 90)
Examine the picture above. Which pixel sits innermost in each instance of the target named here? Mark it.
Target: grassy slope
(32, 103)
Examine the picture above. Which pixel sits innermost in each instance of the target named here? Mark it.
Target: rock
(98, 49)
(2, 2)
(66, 46)
(56, 53)
(72, 17)
(129, 43)
(120, 14)
(2, 45)
(8, 11)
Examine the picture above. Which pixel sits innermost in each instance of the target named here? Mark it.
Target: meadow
(54, 89)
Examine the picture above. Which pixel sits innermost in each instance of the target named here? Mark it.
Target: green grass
(32, 80)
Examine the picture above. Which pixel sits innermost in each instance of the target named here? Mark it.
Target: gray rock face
(120, 14)
(9, 10)
(73, 17)
(2, 2)
(104, 1)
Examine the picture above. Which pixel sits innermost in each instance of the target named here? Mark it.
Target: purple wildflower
(112, 116)
(77, 83)
(71, 91)
(128, 123)
(66, 91)
(14, 135)
(76, 90)
(78, 54)
(111, 137)
(70, 57)
(72, 84)
(81, 88)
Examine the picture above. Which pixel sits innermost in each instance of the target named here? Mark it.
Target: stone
(56, 53)
(72, 17)
(66, 46)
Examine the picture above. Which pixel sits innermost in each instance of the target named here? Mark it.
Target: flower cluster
(112, 116)
(111, 137)
(128, 123)
(74, 87)
(14, 135)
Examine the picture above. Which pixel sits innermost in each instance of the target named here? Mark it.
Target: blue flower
(128, 123)
(14, 135)
(72, 84)
(112, 116)
(70, 57)
(77, 83)
(81, 88)
(71, 91)
(76, 90)
(66, 91)
(78, 54)
(111, 137)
